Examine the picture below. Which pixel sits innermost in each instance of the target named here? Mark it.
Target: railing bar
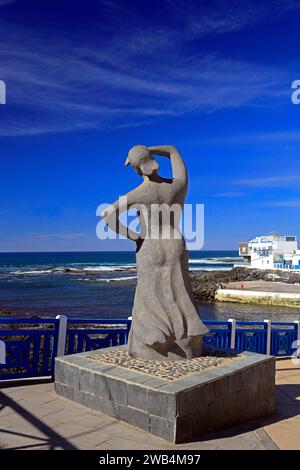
(80, 343)
(22, 332)
(62, 334)
(32, 321)
(46, 352)
(36, 353)
(71, 341)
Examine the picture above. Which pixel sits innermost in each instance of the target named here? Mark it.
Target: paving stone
(163, 428)
(138, 397)
(102, 387)
(86, 381)
(220, 388)
(124, 444)
(190, 426)
(67, 373)
(161, 404)
(133, 416)
(242, 404)
(94, 402)
(118, 391)
(64, 390)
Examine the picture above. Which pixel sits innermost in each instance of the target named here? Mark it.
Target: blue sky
(87, 80)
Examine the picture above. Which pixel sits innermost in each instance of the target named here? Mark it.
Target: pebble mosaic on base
(169, 370)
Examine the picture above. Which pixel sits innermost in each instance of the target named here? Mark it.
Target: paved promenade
(33, 417)
(284, 429)
(264, 286)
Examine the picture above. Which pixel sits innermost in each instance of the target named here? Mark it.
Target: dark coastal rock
(89, 272)
(5, 313)
(205, 284)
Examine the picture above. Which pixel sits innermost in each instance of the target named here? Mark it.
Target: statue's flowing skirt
(164, 306)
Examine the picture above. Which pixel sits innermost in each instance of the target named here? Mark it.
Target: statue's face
(140, 159)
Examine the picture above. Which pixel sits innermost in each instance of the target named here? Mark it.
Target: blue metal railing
(31, 345)
(283, 338)
(251, 336)
(89, 334)
(285, 266)
(219, 335)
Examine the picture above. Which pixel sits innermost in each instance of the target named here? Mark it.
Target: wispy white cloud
(59, 236)
(78, 89)
(276, 137)
(268, 138)
(230, 194)
(229, 15)
(6, 2)
(284, 203)
(269, 181)
(139, 74)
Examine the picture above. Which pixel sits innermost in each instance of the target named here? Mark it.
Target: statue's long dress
(166, 322)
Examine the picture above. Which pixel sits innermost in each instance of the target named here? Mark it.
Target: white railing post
(233, 332)
(297, 352)
(62, 334)
(269, 332)
(2, 352)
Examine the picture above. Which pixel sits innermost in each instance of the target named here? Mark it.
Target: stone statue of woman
(165, 319)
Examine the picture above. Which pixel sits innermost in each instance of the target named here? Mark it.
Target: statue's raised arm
(178, 166)
(112, 213)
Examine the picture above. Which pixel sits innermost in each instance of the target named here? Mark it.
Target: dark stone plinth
(241, 390)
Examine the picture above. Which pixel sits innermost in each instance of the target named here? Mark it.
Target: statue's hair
(137, 155)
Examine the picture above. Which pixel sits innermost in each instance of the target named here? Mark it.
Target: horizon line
(98, 251)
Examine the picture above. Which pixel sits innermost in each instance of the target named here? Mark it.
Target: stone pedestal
(180, 410)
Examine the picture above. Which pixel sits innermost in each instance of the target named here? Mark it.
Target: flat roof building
(271, 251)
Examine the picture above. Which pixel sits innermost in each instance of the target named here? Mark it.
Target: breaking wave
(225, 260)
(109, 279)
(196, 264)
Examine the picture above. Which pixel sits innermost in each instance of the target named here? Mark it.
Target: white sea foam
(112, 267)
(67, 269)
(118, 279)
(110, 279)
(225, 260)
(73, 268)
(273, 276)
(34, 272)
(212, 268)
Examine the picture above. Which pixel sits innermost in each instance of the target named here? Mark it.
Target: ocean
(102, 285)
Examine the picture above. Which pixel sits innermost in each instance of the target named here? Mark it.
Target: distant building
(271, 252)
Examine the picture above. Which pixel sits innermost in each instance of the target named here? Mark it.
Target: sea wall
(206, 284)
(258, 297)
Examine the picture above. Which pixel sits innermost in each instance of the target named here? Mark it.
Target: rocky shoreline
(206, 284)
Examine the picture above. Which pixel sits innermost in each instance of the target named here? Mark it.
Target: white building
(271, 252)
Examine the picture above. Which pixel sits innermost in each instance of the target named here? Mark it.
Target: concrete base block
(180, 411)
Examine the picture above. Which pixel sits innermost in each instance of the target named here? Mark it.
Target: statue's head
(140, 158)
